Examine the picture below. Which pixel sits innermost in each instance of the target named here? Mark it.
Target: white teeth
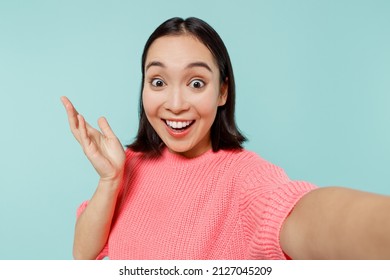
(178, 125)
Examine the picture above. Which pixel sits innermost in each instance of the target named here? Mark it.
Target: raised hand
(103, 149)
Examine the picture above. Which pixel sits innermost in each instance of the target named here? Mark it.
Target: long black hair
(224, 132)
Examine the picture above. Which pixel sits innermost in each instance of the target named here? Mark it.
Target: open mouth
(179, 126)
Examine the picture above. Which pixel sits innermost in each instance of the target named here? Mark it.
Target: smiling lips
(178, 128)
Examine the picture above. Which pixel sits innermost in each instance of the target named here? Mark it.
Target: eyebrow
(191, 65)
(155, 63)
(199, 64)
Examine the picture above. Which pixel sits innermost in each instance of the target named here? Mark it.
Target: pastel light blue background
(313, 96)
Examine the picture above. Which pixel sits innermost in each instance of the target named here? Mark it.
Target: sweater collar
(179, 159)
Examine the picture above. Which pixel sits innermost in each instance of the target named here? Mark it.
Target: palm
(105, 153)
(103, 149)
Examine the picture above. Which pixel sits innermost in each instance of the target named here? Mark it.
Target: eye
(197, 83)
(157, 82)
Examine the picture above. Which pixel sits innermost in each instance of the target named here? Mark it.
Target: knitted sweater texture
(224, 205)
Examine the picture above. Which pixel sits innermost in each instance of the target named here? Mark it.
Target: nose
(176, 101)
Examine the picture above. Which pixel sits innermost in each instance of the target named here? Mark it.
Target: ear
(224, 93)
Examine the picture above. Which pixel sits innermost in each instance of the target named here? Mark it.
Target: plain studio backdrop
(313, 96)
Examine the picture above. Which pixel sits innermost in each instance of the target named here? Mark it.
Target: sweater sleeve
(267, 198)
(80, 210)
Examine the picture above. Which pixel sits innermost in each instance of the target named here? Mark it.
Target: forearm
(93, 225)
(367, 233)
(369, 228)
(340, 223)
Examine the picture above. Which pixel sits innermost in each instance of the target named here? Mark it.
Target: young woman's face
(182, 92)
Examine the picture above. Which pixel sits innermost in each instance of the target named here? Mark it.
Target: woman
(186, 189)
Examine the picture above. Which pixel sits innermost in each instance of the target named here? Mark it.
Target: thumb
(105, 128)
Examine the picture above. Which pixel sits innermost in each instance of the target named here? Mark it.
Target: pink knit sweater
(224, 205)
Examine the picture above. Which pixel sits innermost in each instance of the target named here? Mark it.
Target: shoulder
(266, 197)
(259, 178)
(242, 157)
(133, 161)
(253, 168)
(134, 157)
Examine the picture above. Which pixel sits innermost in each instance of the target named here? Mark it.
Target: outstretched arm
(106, 154)
(338, 223)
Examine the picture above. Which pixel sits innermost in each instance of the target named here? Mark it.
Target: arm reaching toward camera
(107, 156)
(338, 223)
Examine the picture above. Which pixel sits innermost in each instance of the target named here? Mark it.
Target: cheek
(209, 105)
(206, 108)
(149, 103)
